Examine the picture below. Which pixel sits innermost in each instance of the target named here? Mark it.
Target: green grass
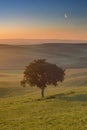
(63, 108)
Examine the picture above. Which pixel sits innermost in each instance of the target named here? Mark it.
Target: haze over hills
(65, 55)
(38, 41)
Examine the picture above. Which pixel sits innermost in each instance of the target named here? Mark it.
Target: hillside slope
(63, 108)
(65, 55)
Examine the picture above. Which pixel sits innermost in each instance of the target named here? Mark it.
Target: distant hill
(65, 55)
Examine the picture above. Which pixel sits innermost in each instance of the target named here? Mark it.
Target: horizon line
(39, 41)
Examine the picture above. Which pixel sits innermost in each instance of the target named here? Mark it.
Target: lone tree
(41, 73)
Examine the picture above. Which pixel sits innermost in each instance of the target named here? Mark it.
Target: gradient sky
(43, 19)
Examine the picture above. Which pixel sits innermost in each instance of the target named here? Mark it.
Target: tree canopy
(41, 74)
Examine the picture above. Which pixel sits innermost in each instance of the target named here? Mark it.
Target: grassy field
(63, 108)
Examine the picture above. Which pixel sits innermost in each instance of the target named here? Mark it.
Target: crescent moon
(65, 15)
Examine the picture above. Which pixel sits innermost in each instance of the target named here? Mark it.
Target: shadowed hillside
(65, 55)
(10, 83)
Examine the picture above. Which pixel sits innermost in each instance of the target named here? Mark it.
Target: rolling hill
(63, 108)
(65, 55)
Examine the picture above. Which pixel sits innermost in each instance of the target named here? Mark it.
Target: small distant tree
(41, 73)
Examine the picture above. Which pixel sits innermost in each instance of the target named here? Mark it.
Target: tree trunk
(42, 92)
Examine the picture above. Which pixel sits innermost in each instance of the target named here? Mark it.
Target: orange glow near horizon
(42, 33)
(43, 19)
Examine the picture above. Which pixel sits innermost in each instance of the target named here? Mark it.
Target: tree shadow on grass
(69, 97)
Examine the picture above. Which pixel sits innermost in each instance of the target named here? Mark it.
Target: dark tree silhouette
(41, 73)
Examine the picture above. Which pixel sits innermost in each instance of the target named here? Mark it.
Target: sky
(43, 19)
